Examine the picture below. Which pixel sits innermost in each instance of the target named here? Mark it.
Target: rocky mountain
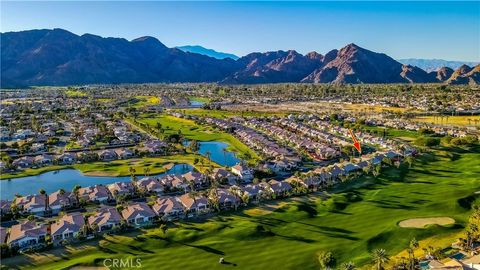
(58, 57)
(430, 65)
(279, 66)
(354, 64)
(417, 75)
(465, 75)
(444, 74)
(208, 52)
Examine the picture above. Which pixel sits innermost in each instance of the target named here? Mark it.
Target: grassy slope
(350, 226)
(156, 165)
(145, 101)
(190, 130)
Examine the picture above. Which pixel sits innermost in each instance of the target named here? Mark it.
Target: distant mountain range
(207, 52)
(435, 64)
(59, 57)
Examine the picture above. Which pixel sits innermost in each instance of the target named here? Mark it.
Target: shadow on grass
(297, 238)
(339, 212)
(205, 248)
(201, 247)
(229, 263)
(388, 204)
(307, 208)
(467, 202)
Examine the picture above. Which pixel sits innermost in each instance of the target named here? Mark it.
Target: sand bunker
(422, 222)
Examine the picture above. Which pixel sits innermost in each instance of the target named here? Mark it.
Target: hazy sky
(447, 30)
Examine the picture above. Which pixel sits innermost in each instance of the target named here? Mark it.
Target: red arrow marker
(356, 143)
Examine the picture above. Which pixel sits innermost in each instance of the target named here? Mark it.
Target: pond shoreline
(100, 168)
(68, 178)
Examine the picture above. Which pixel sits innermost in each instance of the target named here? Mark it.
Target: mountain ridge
(206, 51)
(435, 64)
(59, 57)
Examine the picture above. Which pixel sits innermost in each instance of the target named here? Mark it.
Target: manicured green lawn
(75, 93)
(359, 216)
(189, 129)
(395, 133)
(30, 172)
(143, 101)
(121, 167)
(155, 164)
(200, 99)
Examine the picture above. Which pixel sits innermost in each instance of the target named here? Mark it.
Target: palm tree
(368, 169)
(75, 192)
(44, 193)
(95, 228)
(132, 173)
(326, 260)
(380, 257)
(192, 194)
(84, 229)
(245, 198)
(164, 229)
(61, 192)
(14, 209)
(377, 170)
(213, 198)
(146, 171)
(411, 253)
(409, 161)
(348, 266)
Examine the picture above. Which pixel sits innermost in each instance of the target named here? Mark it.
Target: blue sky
(446, 30)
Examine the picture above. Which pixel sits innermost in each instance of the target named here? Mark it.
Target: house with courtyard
(61, 200)
(243, 172)
(168, 208)
(97, 194)
(194, 206)
(27, 234)
(69, 226)
(32, 204)
(104, 219)
(138, 214)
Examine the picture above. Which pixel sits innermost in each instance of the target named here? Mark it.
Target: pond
(218, 152)
(66, 179)
(196, 103)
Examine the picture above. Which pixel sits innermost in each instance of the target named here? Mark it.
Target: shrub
(427, 141)
(467, 140)
(425, 131)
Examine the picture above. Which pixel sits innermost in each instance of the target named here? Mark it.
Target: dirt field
(422, 222)
(462, 120)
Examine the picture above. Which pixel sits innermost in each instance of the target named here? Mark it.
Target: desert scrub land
(456, 120)
(350, 220)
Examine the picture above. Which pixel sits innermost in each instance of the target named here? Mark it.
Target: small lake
(196, 103)
(67, 179)
(217, 153)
